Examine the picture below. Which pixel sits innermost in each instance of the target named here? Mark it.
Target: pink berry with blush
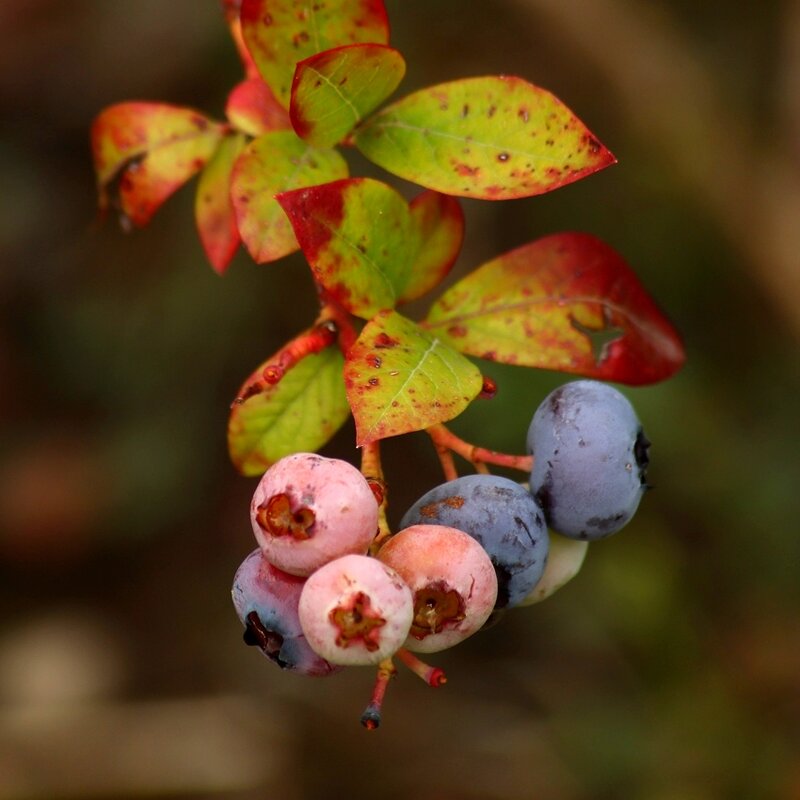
(452, 579)
(308, 510)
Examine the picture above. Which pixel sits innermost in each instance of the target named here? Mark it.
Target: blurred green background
(668, 670)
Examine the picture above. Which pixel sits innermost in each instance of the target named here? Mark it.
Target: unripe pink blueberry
(355, 610)
(453, 581)
(308, 510)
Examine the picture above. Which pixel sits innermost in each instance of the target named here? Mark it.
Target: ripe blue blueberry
(590, 459)
(266, 600)
(502, 517)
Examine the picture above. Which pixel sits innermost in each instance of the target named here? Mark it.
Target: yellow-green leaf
(493, 138)
(334, 90)
(279, 33)
(300, 413)
(401, 378)
(274, 163)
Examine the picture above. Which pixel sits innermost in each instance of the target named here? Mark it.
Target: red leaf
(152, 148)
(439, 220)
(566, 302)
(253, 109)
(214, 213)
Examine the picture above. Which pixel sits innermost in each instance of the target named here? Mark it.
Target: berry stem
(372, 470)
(433, 676)
(371, 718)
(444, 438)
(445, 459)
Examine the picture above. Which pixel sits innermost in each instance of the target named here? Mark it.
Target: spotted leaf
(279, 33)
(566, 302)
(357, 237)
(274, 163)
(402, 378)
(151, 149)
(300, 413)
(493, 138)
(334, 90)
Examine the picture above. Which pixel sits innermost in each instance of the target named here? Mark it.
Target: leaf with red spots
(300, 413)
(566, 302)
(274, 163)
(152, 148)
(439, 222)
(279, 33)
(253, 109)
(402, 378)
(494, 138)
(213, 210)
(358, 239)
(334, 90)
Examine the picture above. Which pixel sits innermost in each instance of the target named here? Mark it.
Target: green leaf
(357, 236)
(334, 90)
(253, 109)
(300, 413)
(401, 378)
(213, 210)
(493, 138)
(566, 302)
(153, 148)
(274, 163)
(279, 33)
(439, 222)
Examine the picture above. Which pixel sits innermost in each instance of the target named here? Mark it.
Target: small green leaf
(334, 90)
(253, 109)
(401, 378)
(566, 302)
(124, 134)
(279, 33)
(357, 237)
(439, 222)
(213, 210)
(493, 138)
(274, 163)
(300, 413)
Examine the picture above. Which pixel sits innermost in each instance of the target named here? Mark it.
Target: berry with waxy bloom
(355, 610)
(308, 510)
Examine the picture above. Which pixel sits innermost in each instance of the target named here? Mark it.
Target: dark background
(668, 670)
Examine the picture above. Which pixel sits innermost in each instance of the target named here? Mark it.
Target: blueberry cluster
(319, 594)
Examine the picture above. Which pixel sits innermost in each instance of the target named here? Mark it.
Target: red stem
(433, 676)
(371, 718)
(444, 438)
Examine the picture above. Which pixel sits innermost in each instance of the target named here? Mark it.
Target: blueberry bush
(331, 585)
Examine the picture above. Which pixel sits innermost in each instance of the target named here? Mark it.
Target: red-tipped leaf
(357, 237)
(253, 109)
(334, 90)
(566, 302)
(279, 33)
(152, 149)
(214, 214)
(439, 223)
